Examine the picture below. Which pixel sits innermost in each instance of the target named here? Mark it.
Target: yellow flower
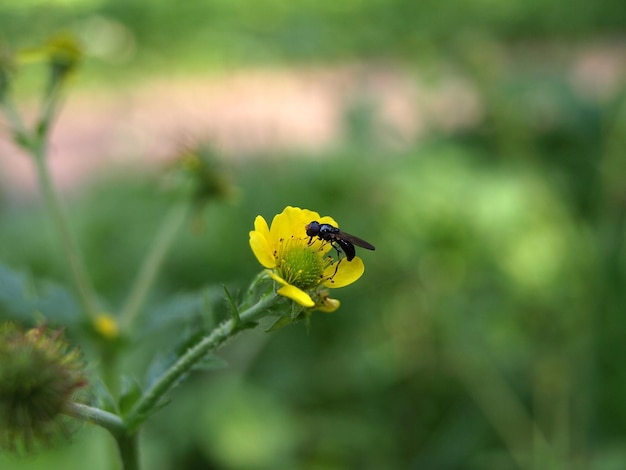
(303, 267)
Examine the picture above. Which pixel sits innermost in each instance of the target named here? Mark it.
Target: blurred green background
(488, 329)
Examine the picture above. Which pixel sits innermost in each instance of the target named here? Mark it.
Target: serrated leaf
(181, 309)
(160, 363)
(103, 397)
(232, 307)
(23, 299)
(131, 392)
(280, 323)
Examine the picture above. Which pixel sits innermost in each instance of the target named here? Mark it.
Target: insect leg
(337, 248)
(340, 258)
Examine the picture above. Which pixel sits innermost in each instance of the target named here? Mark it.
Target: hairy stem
(207, 344)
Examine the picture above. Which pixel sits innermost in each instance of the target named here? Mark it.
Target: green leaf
(131, 392)
(280, 323)
(159, 365)
(103, 397)
(234, 311)
(182, 309)
(23, 299)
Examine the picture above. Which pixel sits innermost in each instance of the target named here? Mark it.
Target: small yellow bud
(106, 326)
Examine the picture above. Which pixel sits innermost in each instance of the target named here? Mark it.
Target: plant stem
(127, 443)
(35, 143)
(48, 109)
(109, 421)
(211, 342)
(152, 263)
(70, 247)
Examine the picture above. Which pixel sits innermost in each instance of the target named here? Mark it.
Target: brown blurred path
(241, 114)
(249, 113)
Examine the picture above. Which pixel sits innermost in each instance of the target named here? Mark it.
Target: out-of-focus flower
(64, 55)
(197, 174)
(300, 264)
(209, 180)
(106, 326)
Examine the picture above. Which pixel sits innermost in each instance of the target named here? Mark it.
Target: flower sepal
(292, 312)
(281, 322)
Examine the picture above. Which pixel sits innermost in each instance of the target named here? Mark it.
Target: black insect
(341, 241)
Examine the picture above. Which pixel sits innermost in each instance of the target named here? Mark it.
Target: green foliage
(221, 33)
(25, 300)
(130, 395)
(487, 329)
(482, 270)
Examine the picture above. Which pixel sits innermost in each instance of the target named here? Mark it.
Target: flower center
(301, 266)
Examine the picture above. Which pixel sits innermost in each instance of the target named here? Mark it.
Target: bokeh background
(480, 145)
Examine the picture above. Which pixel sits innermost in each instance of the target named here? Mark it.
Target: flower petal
(327, 220)
(328, 305)
(262, 250)
(347, 273)
(260, 225)
(276, 277)
(286, 233)
(296, 294)
(290, 223)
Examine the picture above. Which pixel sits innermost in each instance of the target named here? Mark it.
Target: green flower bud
(208, 179)
(64, 55)
(39, 377)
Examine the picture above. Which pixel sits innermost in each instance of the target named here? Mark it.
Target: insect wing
(355, 240)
